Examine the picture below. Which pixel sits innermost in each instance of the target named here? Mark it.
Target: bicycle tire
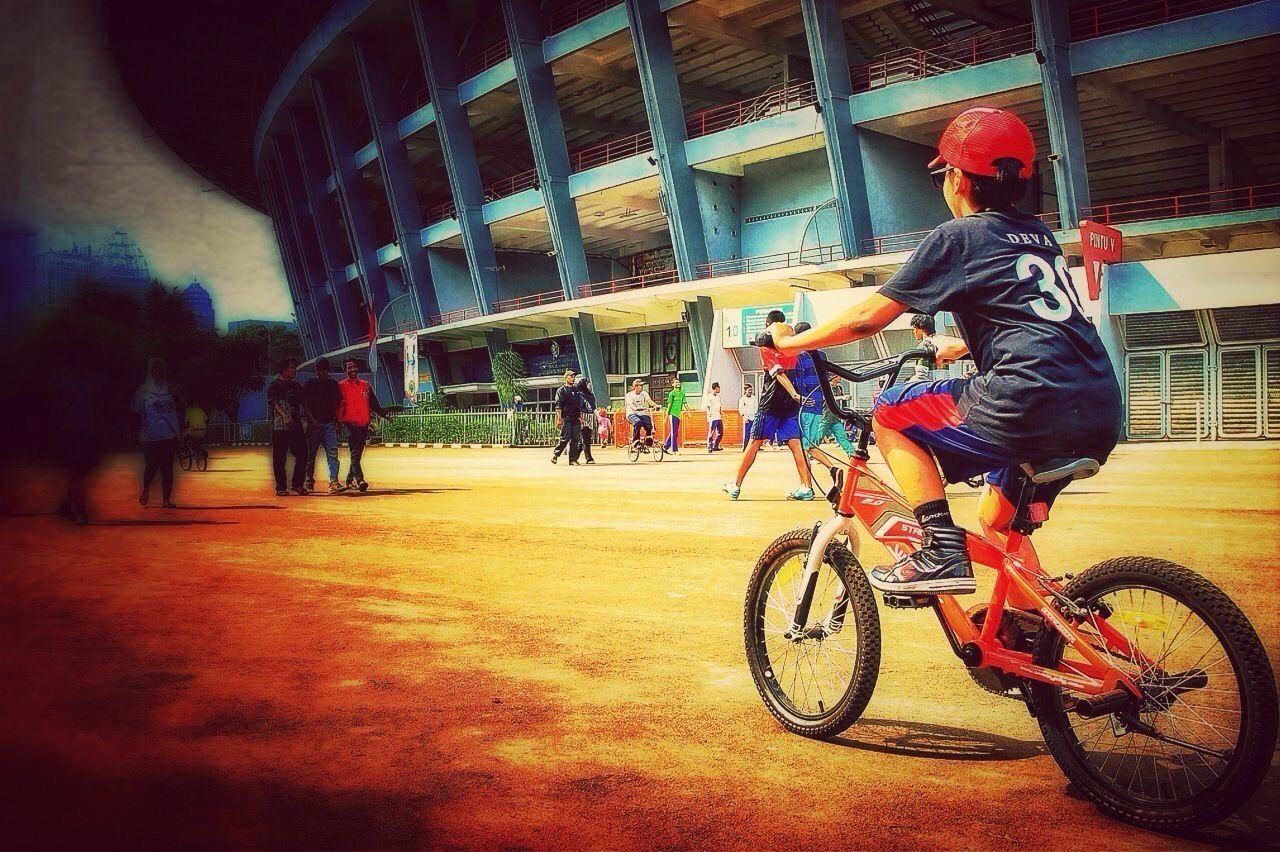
(1250, 756)
(184, 460)
(658, 451)
(202, 461)
(829, 721)
(633, 451)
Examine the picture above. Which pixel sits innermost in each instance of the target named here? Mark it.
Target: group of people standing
(305, 418)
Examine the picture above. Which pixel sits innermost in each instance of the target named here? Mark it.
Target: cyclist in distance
(1044, 388)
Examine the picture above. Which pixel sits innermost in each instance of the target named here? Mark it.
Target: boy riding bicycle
(1044, 389)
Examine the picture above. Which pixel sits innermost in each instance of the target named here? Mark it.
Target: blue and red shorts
(770, 427)
(928, 413)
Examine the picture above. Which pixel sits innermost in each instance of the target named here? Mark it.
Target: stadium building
(629, 186)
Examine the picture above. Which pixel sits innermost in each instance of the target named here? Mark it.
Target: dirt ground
(488, 651)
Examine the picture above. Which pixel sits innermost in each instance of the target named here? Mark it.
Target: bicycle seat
(1051, 470)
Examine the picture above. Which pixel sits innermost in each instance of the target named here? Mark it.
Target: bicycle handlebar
(886, 367)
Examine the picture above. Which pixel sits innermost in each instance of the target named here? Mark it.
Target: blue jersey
(1045, 385)
(804, 377)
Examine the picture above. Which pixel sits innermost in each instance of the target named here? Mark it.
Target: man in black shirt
(320, 398)
(284, 404)
(568, 405)
(1044, 388)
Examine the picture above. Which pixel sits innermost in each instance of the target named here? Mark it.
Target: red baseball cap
(977, 137)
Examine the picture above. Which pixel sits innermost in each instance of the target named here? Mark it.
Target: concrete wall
(799, 181)
(720, 201)
(899, 192)
(451, 278)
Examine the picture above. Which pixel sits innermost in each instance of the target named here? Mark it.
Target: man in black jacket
(569, 418)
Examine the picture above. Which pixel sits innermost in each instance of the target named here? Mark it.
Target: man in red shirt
(359, 403)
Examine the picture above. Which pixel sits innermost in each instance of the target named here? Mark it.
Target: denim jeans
(323, 435)
(356, 438)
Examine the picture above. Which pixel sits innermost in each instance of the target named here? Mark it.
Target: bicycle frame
(869, 507)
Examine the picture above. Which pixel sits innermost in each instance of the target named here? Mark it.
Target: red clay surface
(488, 651)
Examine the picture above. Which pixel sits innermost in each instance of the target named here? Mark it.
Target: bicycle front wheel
(633, 451)
(815, 677)
(184, 459)
(1201, 741)
(202, 461)
(657, 451)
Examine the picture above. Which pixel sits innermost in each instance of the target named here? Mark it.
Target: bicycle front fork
(822, 536)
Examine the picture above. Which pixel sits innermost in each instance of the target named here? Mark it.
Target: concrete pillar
(700, 316)
(546, 135)
(335, 129)
(825, 35)
(586, 340)
(311, 161)
(440, 62)
(652, 41)
(1061, 108)
(295, 276)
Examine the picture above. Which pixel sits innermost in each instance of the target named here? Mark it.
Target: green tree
(508, 376)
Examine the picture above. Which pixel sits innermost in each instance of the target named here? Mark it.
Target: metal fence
(245, 432)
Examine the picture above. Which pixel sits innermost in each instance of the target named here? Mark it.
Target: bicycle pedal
(908, 601)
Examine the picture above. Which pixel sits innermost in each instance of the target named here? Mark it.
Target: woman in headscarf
(589, 404)
(158, 430)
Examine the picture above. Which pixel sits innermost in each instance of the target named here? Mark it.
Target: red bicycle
(1151, 688)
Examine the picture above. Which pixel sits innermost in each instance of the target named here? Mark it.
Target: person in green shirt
(675, 408)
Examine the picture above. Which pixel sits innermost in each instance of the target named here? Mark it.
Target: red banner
(1099, 244)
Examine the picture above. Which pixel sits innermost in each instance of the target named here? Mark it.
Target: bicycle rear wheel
(184, 458)
(1201, 742)
(202, 461)
(633, 451)
(816, 680)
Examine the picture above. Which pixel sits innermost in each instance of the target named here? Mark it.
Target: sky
(78, 162)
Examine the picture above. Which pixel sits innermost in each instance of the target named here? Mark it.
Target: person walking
(748, 405)
(158, 431)
(197, 428)
(321, 398)
(284, 403)
(588, 405)
(355, 411)
(568, 406)
(713, 405)
(779, 406)
(675, 408)
(604, 419)
(75, 428)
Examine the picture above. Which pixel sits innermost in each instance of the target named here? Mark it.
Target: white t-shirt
(748, 406)
(638, 403)
(713, 404)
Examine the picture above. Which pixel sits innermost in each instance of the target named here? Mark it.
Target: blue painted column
(324, 216)
(440, 62)
(1061, 108)
(652, 41)
(335, 129)
(298, 215)
(586, 341)
(295, 277)
(397, 176)
(546, 135)
(701, 318)
(824, 31)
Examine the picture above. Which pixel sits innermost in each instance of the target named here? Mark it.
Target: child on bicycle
(1044, 389)
(196, 430)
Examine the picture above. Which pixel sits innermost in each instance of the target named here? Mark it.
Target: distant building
(17, 278)
(241, 325)
(200, 303)
(119, 265)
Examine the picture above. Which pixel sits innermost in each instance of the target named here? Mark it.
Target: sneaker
(335, 488)
(311, 484)
(363, 486)
(555, 459)
(572, 462)
(591, 461)
(732, 490)
(940, 567)
(169, 504)
(143, 498)
(302, 492)
(282, 492)
(801, 494)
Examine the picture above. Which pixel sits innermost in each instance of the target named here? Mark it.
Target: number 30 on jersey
(1056, 303)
